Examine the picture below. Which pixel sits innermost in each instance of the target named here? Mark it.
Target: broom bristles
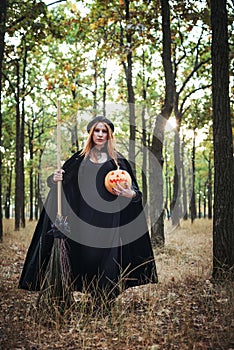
(56, 289)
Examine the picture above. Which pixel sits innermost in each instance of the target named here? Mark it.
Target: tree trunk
(104, 93)
(39, 201)
(23, 92)
(204, 199)
(156, 154)
(167, 185)
(95, 77)
(184, 185)
(18, 153)
(144, 159)
(20, 120)
(131, 95)
(31, 177)
(199, 200)
(3, 11)
(209, 190)
(223, 223)
(74, 137)
(175, 205)
(7, 204)
(193, 210)
(144, 135)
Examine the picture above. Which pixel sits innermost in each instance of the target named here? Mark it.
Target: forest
(162, 71)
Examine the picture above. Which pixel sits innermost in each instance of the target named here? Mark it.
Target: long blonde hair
(110, 148)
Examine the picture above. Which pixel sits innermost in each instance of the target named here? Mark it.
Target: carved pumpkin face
(115, 178)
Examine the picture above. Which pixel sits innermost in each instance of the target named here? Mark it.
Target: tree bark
(223, 223)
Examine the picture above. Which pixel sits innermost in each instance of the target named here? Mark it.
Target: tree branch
(196, 67)
(55, 2)
(190, 93)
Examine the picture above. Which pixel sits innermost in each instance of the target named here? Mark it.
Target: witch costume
(108, 245)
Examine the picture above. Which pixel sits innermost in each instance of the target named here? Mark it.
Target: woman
(109, 245)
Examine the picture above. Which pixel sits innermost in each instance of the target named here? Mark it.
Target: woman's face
(100, 135)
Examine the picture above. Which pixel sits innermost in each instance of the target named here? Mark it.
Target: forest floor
(183, 311)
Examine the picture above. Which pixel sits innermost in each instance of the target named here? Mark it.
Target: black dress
(109, 245)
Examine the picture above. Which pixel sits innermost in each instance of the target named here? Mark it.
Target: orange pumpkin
(115, 178)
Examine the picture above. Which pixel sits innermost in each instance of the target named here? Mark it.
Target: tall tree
(223, 234)
(156, 162)
(128, 67)
(28, 26)
(193, 209)
(3, 11)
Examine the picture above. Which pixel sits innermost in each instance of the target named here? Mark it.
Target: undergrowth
(183, 311)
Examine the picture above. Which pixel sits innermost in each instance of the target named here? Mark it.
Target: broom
(56, 294)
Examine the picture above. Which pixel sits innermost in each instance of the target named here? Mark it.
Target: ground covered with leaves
(183, 311)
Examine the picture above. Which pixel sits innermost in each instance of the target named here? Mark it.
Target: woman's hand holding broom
(58, 175)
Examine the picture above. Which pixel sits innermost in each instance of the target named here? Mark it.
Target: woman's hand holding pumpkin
(125, 191)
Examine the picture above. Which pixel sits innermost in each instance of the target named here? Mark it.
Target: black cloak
(109, 244)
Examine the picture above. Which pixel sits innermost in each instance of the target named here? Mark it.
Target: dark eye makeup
(103, 130)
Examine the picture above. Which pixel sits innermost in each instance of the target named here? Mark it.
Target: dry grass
(183, 311)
